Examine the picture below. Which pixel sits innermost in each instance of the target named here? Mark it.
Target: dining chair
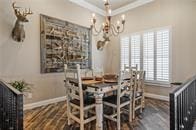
(133, 68)
(138, 93)
(77, 104)
(87, 72)
(120, 101)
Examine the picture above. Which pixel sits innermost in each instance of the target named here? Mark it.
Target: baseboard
(59, 99)
(155, 96)
(44, 102)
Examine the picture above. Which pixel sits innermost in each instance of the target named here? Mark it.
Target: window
(124, 52)
(148, 55)
(135, 50)
(148, 50)
(162, 56)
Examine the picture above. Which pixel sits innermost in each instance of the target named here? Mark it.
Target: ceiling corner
(89, 6)
(131, 6)
(120, 10)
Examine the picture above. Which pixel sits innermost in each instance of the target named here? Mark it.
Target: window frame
(141, 50)
(141, 33)
(121, 49)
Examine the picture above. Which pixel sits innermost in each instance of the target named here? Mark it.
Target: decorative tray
(110, 81)
(87, 78)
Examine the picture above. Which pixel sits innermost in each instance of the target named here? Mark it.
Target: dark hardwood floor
(53, 117)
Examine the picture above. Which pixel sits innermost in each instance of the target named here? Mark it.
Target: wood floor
(53, 117)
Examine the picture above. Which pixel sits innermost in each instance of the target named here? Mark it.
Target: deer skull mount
(102, 44)
(18, 32)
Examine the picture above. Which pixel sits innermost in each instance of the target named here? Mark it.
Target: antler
(27, 12)
(18, 11)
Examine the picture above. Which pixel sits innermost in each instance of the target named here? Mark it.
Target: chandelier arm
(123, 28)
(95, 34)
(111, 33)
(114, 31)
(97, 31)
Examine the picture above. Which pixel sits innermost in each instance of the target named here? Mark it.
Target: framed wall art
(64, 42)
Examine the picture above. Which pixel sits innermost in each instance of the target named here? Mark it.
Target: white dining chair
(128, 68)
(77, 105)
(120, 101)
(87, 72)
(138, 93)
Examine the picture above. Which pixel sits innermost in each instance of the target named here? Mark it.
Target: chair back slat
(130, 71)
(138, 92)
(140, 75)
(125, 84)
(74, 91)
(131, 67)
(72, 73)
(73, 95)
(87, 72)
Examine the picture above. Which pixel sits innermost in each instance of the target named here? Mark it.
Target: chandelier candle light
(108, 29)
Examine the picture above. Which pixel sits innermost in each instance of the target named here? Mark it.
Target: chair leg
(68, 112)
(133, 110)
(82, 118)
(86, 114)
(118, 118)
(81, 126)
(130, 112)
(141, 109)
(143, 101)
(114, 111)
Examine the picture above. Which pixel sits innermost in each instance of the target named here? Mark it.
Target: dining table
(99, 89)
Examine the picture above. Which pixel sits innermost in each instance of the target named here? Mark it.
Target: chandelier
(108, 29)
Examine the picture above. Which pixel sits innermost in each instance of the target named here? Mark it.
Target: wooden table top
(93, 83)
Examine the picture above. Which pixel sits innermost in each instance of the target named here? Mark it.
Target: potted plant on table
(23, 87)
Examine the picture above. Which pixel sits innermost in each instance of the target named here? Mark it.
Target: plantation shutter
(148, 55)
(135, 51)
(124, 52)
(150, 51)
(162, 57)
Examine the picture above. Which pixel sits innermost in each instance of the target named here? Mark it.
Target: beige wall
(180, 15)
(22, 61)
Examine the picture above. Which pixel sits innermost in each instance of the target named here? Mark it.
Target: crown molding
(89, 6)
(97, 10)
(130, 6)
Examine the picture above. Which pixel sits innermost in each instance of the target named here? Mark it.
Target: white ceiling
(115, 4)
(118, 6)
